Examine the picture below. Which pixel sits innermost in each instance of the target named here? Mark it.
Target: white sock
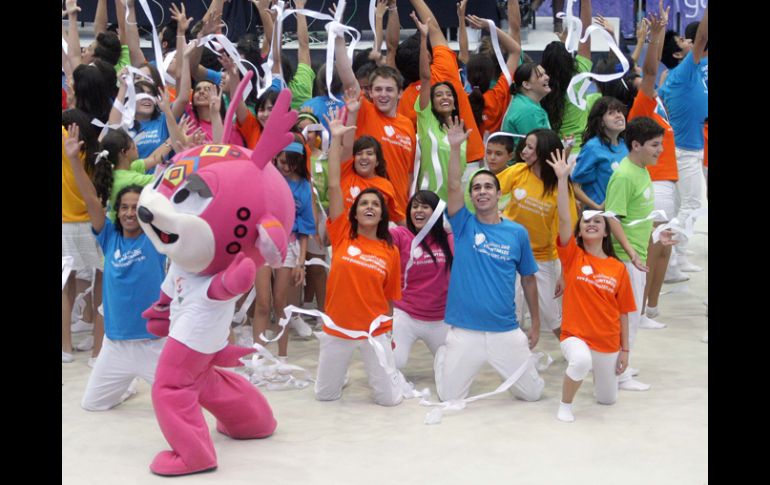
(652, 311)
(565, 412)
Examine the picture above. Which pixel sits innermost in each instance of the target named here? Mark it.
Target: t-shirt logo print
(614, 166)
(479, 239)
(519, 194)
(353, 251)
(417, 252)
(587, 270)
(116, 255)
(389, 130)
(355, 190)
(646, 193)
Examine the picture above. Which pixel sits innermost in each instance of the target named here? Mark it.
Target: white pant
(334, 360)
(406, 331)
(581, 359)
(550, 308)
(459, 360)
(689, 164)
(638, 280)
(119, 362)
(665, 197)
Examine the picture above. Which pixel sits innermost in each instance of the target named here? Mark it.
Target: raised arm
(514, 20)
(263, 6)
(701, 38)
(456, 135)
(584, 48)
(184, 83)
(182, 24)
(392, 34)
(72, 147)
(562, 167)
(424, 63)
(116, 115)
(352, 98)
(73, 36)
(424, 12)
(100, 17)
(132, 35)
(233, 78)
(217, 128)
(334, 191)
(303, 52)
(379, 17)
(654, 49)
(508, 43)
(212, 24)
(344, 65)
(462, 32)
(642, 30)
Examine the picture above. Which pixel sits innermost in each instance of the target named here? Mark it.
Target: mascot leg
(242, 411)
(175, 393)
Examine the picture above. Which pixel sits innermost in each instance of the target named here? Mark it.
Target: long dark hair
(383, 233)
(594, 125)
(437, 232)
(154, 91)
(560, 66)
(365, 142)
(480, 69)
(298, 161)
(606, 241)
(89, 135)
(115, 142)
(94, 87)
(455, 112)
(133, 188)
(222, 107)
(547, 142)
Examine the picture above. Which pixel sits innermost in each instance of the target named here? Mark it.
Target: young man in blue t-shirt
(489, 251)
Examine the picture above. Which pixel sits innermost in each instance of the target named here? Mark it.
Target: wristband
(624, 350)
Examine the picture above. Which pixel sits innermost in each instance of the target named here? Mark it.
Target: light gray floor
(659, 436)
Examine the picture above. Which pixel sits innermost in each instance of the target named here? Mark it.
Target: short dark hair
(484, 171)
(504, 140)
(670, 47)
(408, 59)
(367, 141)
(641, 130)
(108, 47)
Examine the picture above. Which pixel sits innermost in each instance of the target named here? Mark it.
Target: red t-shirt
(665, 169)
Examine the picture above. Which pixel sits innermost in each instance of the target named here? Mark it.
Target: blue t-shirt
(304, 222)
(151, 135)
(482, 285)
(133, 272)
(321, 106)
(686, 97)
(595, 164)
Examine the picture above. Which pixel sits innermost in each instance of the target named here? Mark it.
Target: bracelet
(393, 8)
(624, 350)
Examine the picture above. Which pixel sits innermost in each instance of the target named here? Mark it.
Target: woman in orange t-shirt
(364, 280)
(597, 300)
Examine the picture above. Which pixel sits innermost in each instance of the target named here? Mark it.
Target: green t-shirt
(124, 59)
(124, 178)
(433, 143)
(575, 119)
(524, 115)
(319, 167)
(301, 86)
(630, 194)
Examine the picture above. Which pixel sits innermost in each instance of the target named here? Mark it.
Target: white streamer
(155, 41)
(324, 135)
(686, 229)
(268, 371)
(232, 51)
(498, 52)
(438, 212)
(240, 315)
(64, 46)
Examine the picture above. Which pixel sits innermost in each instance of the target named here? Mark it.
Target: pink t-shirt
(425, 296)
(205, 126)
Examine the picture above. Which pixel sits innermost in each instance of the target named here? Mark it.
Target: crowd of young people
(433, 178)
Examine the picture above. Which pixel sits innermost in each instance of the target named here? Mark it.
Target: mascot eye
(192, 197)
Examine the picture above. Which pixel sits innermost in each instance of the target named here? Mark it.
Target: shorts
(292, 254)
(665, 197)
(79, 242)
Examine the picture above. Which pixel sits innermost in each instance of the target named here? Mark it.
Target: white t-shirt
(197, 321)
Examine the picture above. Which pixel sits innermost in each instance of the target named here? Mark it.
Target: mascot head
(218, 200)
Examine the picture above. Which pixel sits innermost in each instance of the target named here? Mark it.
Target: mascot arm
(234, 280)
(157, 316)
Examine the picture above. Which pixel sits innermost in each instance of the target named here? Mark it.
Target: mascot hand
(235, 280)
(157, 316)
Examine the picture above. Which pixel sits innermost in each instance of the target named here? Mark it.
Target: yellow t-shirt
(530, 208)
(73, 207)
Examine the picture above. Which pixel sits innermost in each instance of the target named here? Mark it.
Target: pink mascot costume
(218, 213)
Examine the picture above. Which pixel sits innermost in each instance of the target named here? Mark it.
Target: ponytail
(113, 144)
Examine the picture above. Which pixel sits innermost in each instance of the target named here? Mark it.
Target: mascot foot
(243, 435)
(168, 463)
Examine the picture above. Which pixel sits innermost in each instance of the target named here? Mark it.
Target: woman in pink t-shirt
(419, 314)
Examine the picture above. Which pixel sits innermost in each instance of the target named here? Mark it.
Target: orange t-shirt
(73, 207)
(706, 144)
(406, 103)
(597, 292)
(250, 130)
(353, 184)
(398, 141)
(665, 169)
(365, 277)
(496, 102)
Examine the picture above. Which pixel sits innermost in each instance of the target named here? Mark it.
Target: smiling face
(365, 162)
(202, 94)
(127, 214)
(593, 229)
(385, 94)
(484, 193)
(538, 82)
(263, 113)
(613, 122)
(443, 100)
(420, 212)
(145, 107)
(368, 210)
(649, 152)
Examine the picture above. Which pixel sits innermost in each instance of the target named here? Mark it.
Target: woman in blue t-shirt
(133, 272)
(603, 148)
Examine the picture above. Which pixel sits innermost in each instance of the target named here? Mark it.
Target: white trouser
(689, 164)
(550, 308)
(406, 331)
(581, 359)
(333, 362)
(119, 362)
(665, 197)
(459, 360)
(638, 279)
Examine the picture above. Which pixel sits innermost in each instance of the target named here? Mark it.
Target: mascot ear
(276, 134)
(272, 241)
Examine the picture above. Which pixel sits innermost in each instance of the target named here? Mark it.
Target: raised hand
(456, 133)
(605, 24)
(422, 27)
(336, 123)
(190, 48)
(71, 7)
(461, 9)
(477, 22)
(642, 30)
(380, 8)
(561, 165)
(352, 99)
(72, 143)
(180, 15)
(215, 102)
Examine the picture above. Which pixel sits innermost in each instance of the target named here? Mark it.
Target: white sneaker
(633, 385)
(646, 322)
(86, 344)
(81, 326)
(92, 361)
(66, 358)
(298, 324)
(674, 275)
(634, 371)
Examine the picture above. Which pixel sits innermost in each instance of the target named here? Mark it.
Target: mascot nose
(145, 215)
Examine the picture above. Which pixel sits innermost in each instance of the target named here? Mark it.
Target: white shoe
(649, 323)
(81, 326)
(674, 275)
(633, 385)
(92, 361)
(688, 267)
(634, 371)
(300, 326)
(86, 344)
(66, 358)
(319, 324)
(652, 312)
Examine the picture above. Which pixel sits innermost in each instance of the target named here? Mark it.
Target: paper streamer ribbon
(686, 229)
(64, 46)
(223, 42)
(155, 41)
(324, 135)
(502, 133)
(436, 164)
(268, 371)
(438, 212)
(498, 51)
(317, 262)
(590, 214)
(574, 27)
(240, 315)
(417, 166)
(659, 215)
(66, 269)
(434, 416)
(337, 29)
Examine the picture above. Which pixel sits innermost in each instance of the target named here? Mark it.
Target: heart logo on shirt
(614, 166)
(417, 252)
(389, 130)
(647, 193)
(353, 251)
(354, 191)
(117, 254)
(587, 270)
(479, 239)
(519, 194)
